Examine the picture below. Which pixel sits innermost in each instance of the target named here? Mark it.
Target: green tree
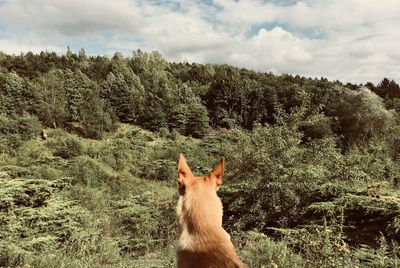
(95, 117)
(99, 67)
(226, 100)
(83, 59)
(69, 60)
(361, 116)
(86, 106)
(123, 90)
(149, 67)
(17, 95)
(159, 89)
(185, 112)
(25, 126)
(197, 124)
(74, 83)
(388, 89)
(178, 118)
(53, 98)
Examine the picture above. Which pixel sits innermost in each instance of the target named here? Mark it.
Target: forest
(312, 173)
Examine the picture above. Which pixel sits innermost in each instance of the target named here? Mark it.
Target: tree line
(144, 89)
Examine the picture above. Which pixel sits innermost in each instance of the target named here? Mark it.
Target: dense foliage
(312, 176)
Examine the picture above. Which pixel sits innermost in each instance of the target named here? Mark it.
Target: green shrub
(269, 172)
(65, 145)
(25, 126)
(386, 255)
(116, 154)
(48, 173)
(90, 172)
(148, 219)
(14, 130)
(9, 144)
(35, 219)
(28, 126)
(161, 170)
(6, 159)
(369, 162)
(32, 151)
(163, 132)
(261, 251)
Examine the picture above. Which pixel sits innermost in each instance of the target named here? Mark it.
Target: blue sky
(350, 40)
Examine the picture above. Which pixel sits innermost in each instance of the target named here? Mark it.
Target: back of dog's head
(203, 242)
(188, 182)
(198, 201)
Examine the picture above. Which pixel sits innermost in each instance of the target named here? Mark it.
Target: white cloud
(349, 40)
(276, 50)
(324, 15)
(45, 19)
(358, 39)
(174, 33)
(16, 47)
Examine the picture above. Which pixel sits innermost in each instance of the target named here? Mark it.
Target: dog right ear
(184, 171)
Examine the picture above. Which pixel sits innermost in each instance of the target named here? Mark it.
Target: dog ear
(184, 171)
(218, 171)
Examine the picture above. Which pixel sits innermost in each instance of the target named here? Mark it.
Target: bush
(65, 145)
(369, 162)
(261, 251)
(35, 219)
(148, 218)
(270, 171)
(161, 170)
(32, 151)
(90, 172)
(25, 126)
(9, 144)
(116, 154)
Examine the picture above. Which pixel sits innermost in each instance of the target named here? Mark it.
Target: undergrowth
(74, 202)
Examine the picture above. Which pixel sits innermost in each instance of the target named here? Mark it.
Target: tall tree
(388, 89)
(53, 98)
(17, 95)
(226, 99)
(124, 92)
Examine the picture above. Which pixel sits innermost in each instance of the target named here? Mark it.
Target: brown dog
(203, 243)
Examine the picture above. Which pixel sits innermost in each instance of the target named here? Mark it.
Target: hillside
(312, 176)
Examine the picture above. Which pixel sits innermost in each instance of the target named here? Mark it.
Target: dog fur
(202, 242)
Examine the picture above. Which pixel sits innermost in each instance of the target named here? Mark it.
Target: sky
(354, 41)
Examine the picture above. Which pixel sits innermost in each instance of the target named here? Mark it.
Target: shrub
(161, 170)
(65, 145)
(148, 219)
(90, 172)
(261, 251)
(35, 219)
(32, 151)
(25, 126)
(270, 171)
(116, 154)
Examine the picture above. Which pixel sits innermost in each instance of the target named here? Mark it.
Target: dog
(203, 243)
(43, 135)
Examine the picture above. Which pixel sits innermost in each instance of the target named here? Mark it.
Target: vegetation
(312, 176)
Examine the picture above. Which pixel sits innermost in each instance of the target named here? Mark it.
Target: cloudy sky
(349, 40)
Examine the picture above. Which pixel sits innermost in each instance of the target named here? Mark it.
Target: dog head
(187, 182)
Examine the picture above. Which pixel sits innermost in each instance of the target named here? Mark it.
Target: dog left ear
(184, 171)
(218, 171)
